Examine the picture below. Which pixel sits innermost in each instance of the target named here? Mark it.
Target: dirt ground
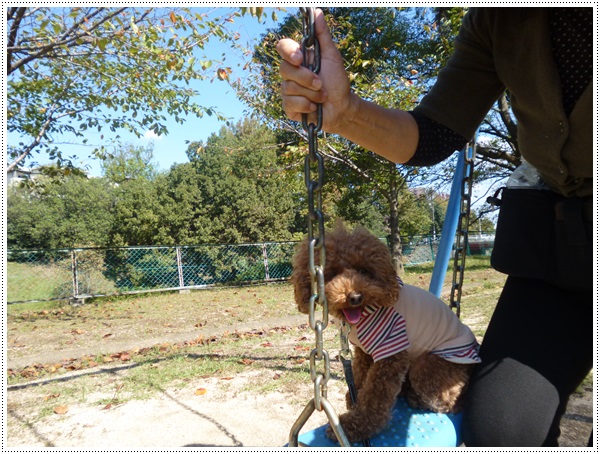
(219, 413)
(179, 418)
(176, 418)
(209, 411)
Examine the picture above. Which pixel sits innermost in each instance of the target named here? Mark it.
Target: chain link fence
(77, 274)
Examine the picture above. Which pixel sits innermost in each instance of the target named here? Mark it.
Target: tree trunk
(395, 243)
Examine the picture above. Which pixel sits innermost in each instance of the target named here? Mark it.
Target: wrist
(351, 117)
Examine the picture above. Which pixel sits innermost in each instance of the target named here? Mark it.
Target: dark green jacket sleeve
(468, 85)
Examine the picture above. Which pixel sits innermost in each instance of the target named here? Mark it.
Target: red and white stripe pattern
(382, 332)
(462, 354)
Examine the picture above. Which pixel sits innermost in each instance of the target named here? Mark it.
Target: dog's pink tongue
(352, 314)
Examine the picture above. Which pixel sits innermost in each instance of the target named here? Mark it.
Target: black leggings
(537, 349)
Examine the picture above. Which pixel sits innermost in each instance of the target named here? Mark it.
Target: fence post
(179, 267)
(74, 270)
(430, 241)
(266, 261)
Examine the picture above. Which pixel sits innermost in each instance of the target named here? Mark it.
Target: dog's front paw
(355, 427)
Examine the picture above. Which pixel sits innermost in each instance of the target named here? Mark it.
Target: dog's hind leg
(437, 384)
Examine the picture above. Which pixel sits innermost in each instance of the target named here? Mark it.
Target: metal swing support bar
(316, 249)
(456, 225)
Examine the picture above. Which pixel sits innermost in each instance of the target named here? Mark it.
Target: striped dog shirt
(419, 323)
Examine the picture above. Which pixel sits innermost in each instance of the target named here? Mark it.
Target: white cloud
(151, 135)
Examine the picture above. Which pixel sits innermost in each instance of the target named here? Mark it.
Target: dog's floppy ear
(301, 277)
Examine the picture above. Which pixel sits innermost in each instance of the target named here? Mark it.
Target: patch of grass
(30, 282)
(27, 282)
(26, 310)
(586, 385)
(36, 329)
(278, 356)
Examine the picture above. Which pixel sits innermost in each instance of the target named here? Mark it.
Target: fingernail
(317, 84)
(297, 56)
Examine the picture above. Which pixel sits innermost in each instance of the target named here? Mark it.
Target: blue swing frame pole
(450, 225)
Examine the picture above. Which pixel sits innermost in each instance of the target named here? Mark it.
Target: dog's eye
(364, 272)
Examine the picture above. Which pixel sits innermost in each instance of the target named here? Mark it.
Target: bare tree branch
(15, 14)
(67, 39)
(504, 110)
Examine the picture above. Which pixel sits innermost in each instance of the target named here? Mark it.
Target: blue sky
(170, 149)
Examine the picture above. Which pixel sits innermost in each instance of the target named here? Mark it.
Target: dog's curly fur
(359, 272)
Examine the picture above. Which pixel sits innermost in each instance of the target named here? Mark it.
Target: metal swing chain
(462, 232)
(316, 248)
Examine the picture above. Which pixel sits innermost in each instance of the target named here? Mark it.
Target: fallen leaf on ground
(201, 391)
(61, 409)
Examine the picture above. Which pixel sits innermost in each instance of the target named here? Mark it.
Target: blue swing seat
(408, 427)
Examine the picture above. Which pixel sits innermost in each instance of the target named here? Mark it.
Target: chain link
(316, 246)
(316, 229)
(462, 232)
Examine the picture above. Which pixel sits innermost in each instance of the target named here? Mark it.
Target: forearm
(391, 133)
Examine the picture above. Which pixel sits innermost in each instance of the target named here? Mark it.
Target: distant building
(18, 175)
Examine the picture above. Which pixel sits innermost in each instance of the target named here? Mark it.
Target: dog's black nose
(355, 299)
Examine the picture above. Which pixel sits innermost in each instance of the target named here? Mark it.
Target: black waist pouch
(542, 235)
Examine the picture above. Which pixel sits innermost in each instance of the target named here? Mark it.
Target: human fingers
(290, 51)
(295, 105)
(323, 35)
(302, 77)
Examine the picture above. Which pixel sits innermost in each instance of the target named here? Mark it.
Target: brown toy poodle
(406, 339)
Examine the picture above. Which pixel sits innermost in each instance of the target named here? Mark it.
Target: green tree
(391, 60)
(77, 212)
(245, 194)
(480, 219)
(233, 190)
(76, 69)
(184, 216)
(128, 162)
(137, 214)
